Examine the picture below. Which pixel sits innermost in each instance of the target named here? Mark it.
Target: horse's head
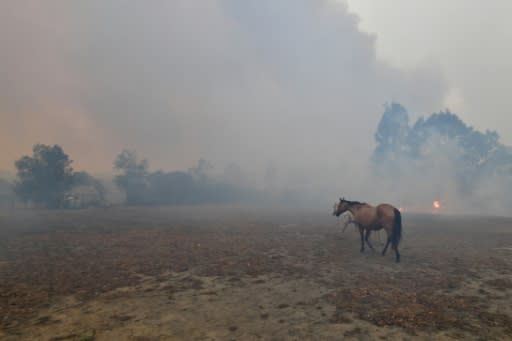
(340, 207)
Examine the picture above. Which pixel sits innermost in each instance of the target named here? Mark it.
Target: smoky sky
(287, 84)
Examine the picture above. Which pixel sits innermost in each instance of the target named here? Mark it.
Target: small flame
(436, 204)
(401, 209)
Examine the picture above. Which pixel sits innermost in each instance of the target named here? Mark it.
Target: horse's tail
(396, 233)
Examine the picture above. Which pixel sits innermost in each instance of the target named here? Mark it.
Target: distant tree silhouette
(44, 177)
(171, 188)
(132, 177)
(392, 132)
(6, 192)
(85, 179)
(194, 186)
(200, 172)
(475, 154)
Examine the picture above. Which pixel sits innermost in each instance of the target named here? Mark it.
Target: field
(230, 273)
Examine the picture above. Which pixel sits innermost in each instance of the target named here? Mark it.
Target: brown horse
(369, 218)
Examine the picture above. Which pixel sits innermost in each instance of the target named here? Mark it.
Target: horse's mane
(352, 203)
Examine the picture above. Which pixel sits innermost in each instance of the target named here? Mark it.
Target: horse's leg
(386, 247)
(361, 232)
(368, 232)
(397, 254)
(348, 222)
(387, 242)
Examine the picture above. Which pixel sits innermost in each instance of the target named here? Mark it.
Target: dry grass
(454, 280)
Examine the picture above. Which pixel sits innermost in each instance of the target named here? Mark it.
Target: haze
(295, 86)
(184, 79)
(469, 40)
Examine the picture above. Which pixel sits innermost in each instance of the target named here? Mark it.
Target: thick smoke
(442, 158)
(289, 85)
(284, 96)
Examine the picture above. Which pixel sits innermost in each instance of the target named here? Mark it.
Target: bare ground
(220, 273)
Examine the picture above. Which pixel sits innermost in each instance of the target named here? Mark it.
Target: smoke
(292, 86)
(441, 158)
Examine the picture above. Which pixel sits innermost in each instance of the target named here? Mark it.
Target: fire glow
(436, 204)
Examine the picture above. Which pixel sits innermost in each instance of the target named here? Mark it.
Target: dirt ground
(228, 273)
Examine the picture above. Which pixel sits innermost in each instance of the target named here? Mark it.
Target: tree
(200, 172)
(44, 177)
(132, 177)
(392, 132)
(6, 192)
(171, 188)
(85, 179)
(472, 155)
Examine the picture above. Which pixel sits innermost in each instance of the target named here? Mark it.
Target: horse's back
(366, 215)
(386, 213)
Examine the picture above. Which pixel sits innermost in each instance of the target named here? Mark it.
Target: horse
(369, 218)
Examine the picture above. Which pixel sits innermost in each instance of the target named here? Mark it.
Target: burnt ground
(220, 273)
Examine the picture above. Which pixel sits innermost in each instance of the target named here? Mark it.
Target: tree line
(469, 156)
(194, 186)
(47, 179)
